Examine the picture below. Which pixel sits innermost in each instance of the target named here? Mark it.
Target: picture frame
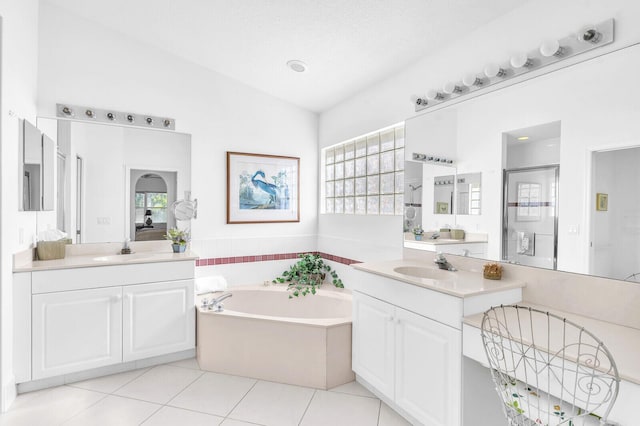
(602, 202)
(262, 188)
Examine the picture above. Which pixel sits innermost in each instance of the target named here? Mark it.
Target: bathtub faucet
(216, 304)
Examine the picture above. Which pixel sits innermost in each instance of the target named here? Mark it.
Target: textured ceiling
(347, 44)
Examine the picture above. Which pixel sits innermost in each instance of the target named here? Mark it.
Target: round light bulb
(493, 70)
(434, 95)
(451, 88)
(471, 80)
(551, 48)
(520, 60)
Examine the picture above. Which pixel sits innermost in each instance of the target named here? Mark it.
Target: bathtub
(263, 334)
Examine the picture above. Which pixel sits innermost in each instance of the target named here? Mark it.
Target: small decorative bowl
(492, 271)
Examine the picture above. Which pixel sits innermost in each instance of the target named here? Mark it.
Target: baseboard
(9, 393)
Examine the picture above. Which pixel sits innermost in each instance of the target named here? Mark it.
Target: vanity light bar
(76, 112)
(427, 158)
(549, 52)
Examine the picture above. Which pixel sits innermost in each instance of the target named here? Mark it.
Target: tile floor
(181, 394)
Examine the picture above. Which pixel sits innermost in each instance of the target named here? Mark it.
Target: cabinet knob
(116, 298)
(389, 318)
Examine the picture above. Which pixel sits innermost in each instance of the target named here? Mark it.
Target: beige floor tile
(353, 388)
(170, 416)
(388, 417)
(49, 406)
(114, 411)
(191, 363)
(231, 422)
(273, 404)
(159, 384)
(109, 384)
(338, 409)
(213, 393)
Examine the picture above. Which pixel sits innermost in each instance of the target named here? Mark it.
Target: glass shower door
(530, 223)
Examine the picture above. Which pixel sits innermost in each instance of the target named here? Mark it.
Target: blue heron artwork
(262, 188)
(257, 191)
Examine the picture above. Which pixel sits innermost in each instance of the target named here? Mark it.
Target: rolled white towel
(210, 284)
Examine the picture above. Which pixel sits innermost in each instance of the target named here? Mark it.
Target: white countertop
(623, 342)
(104, 259)
(459, 283)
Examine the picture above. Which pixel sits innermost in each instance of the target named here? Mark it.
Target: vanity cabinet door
(373, 342)
(76, 330)
(428, 369)
(158, 318)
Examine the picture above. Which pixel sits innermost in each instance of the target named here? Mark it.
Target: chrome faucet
(216, 304)
(125, 247)
(443, 263)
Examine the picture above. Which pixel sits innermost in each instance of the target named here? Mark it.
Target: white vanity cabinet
(158, 318)
(407, 337)
(410, 359)
(76, 330)
(79, 319)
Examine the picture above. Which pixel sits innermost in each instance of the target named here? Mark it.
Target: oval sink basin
(423, 272)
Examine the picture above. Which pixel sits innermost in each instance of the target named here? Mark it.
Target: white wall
(19, 51)
(389, 102)
(83, 63)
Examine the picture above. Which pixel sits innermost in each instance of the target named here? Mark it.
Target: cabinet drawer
(112, 275)
(428, 303)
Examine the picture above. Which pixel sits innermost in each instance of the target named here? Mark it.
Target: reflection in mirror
(468, 193)
(588, 240)
(413, 195)
(152, 193)
(443, 194)
(615, 204)
(37, 168)
(97, 171)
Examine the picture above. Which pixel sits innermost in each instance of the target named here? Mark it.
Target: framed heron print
(262, 188)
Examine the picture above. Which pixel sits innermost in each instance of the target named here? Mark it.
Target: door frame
(505, 214)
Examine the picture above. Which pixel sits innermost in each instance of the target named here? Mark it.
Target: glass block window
(365, 175)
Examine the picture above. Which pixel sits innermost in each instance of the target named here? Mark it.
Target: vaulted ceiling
(347, 45)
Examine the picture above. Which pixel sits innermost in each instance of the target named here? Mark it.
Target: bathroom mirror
(468, 193)
(36, 168)
(590, 115)
(118, 182)
(443, 194)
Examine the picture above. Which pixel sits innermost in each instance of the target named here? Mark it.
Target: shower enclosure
(530, 222)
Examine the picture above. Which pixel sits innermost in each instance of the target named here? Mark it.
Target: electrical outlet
(20, 235)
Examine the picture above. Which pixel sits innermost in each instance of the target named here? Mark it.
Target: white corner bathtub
(263, 334)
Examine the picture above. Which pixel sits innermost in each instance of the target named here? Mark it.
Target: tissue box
(50, 250)
(457, 234)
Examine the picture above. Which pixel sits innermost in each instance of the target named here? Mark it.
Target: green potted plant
(306, 274)
(417, 233)
(179, 239)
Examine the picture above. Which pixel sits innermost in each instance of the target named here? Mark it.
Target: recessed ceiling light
(297, 66)
(523, 138)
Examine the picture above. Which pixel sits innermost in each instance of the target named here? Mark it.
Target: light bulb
(471, 80)
(590, 35)
(551, 48)
(434, 95)
(493, 70)
(520, 60)
(451, 88)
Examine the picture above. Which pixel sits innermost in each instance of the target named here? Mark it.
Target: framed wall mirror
(586, 115)
(36, 169)
(118, 182)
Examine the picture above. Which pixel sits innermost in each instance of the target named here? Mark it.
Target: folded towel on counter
(210, 284)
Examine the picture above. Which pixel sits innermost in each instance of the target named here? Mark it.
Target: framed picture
(442, 208)
(602, 202)
(262, 188)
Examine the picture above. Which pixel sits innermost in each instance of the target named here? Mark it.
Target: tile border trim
(212, 261)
